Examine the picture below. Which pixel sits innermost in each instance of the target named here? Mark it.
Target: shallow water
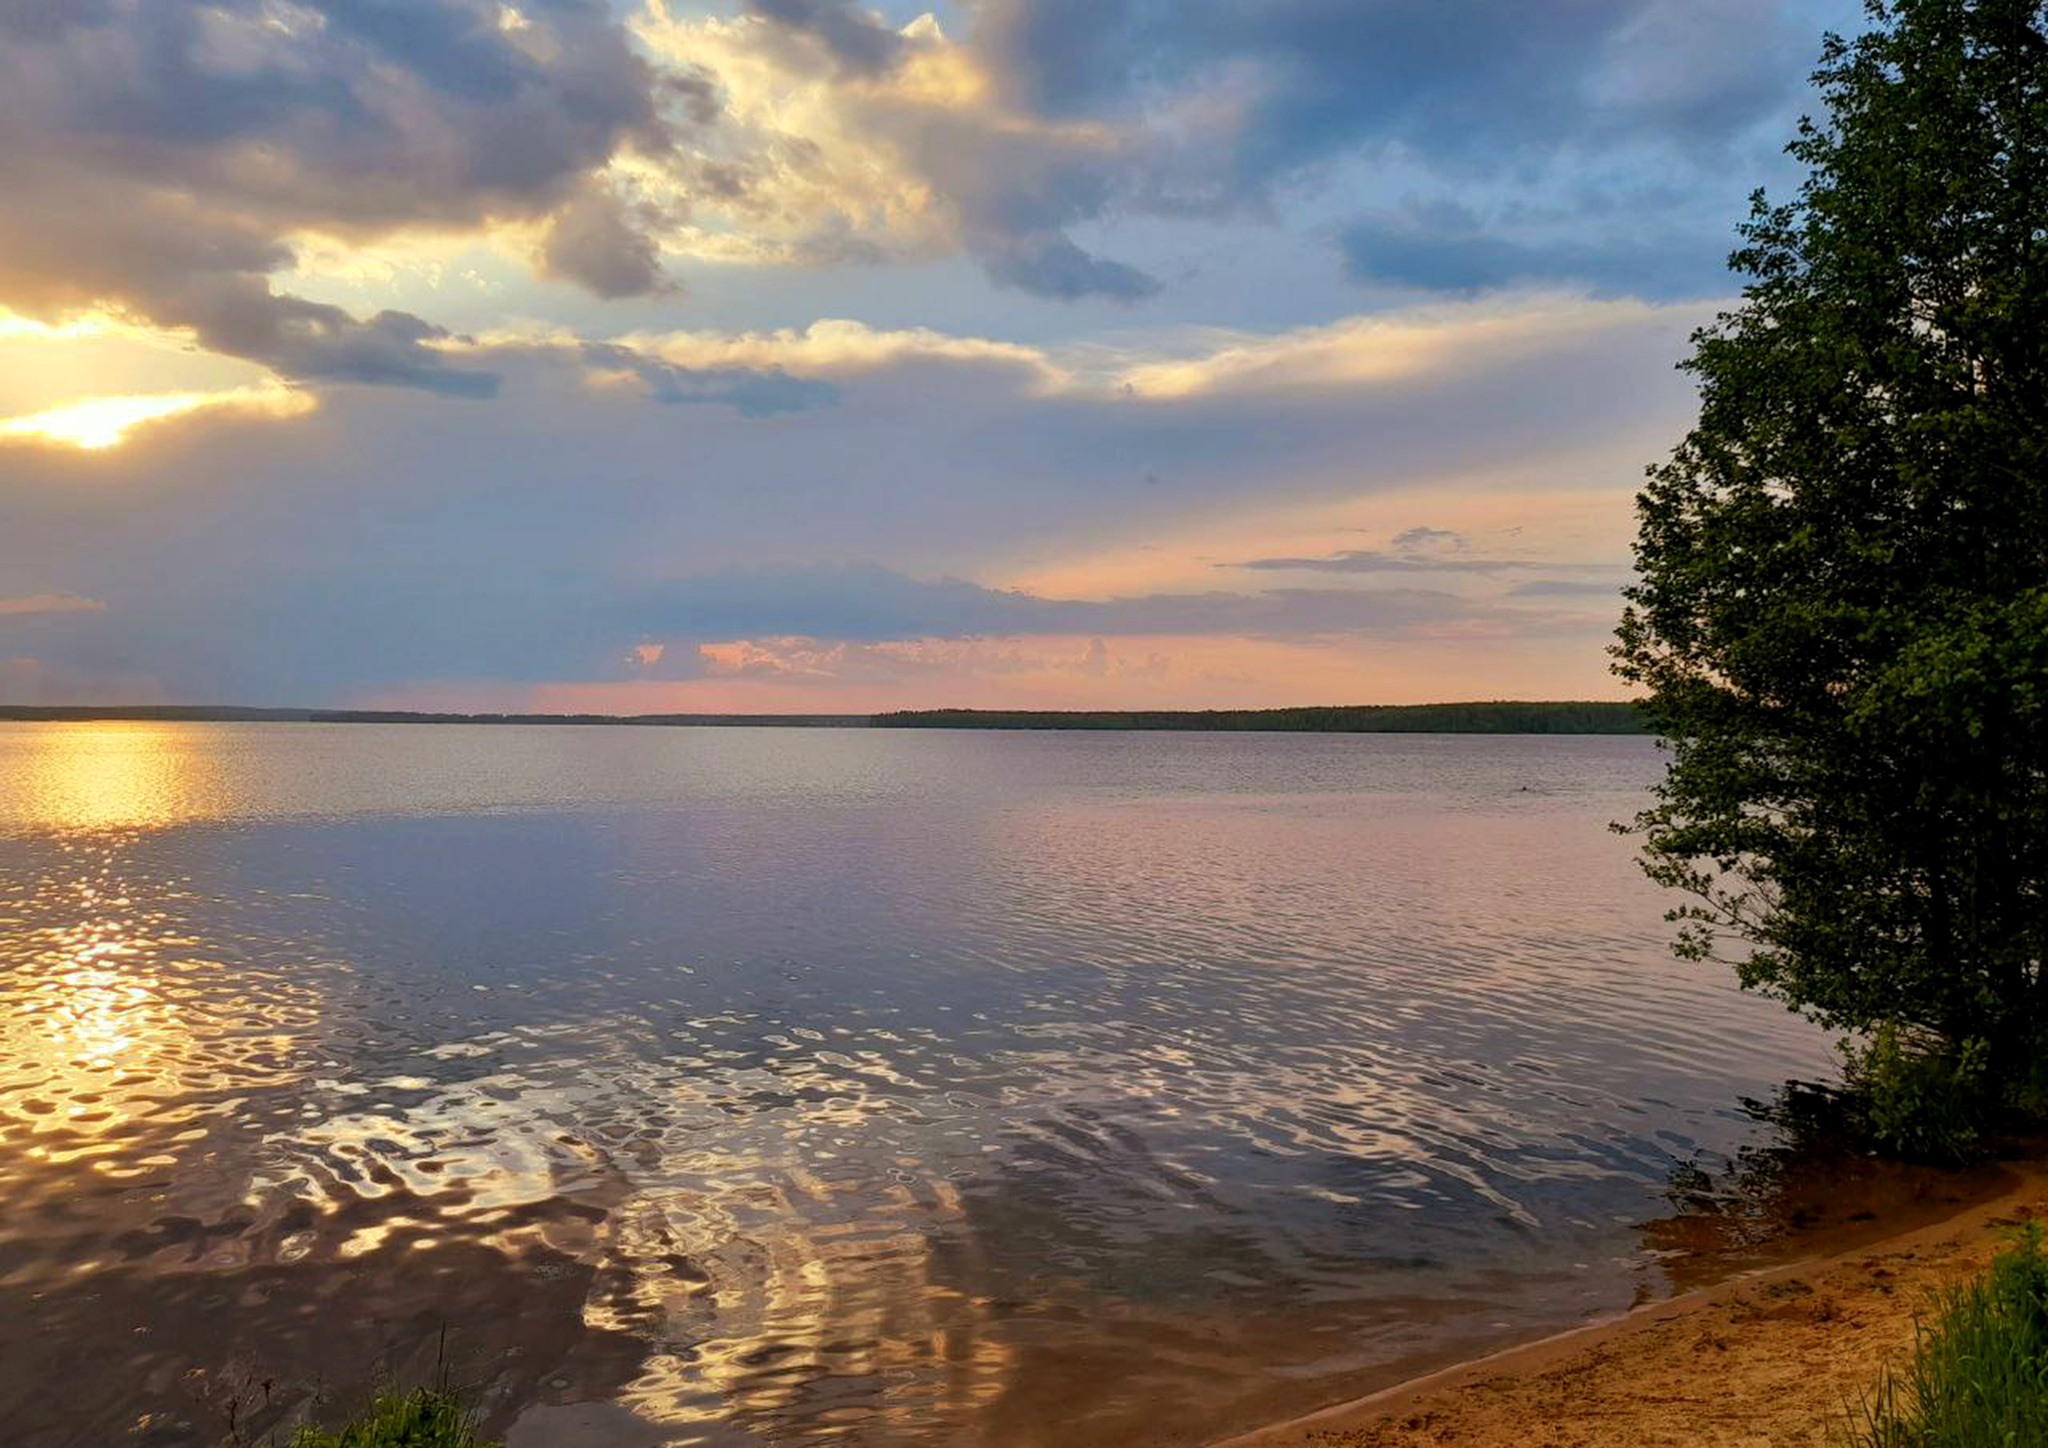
(788, 1086)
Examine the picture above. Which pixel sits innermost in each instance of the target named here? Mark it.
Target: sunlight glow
(100, 776)
(14, 326)
(103, 422)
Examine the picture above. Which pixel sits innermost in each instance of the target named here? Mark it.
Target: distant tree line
(704, 721)
(1497, 717)
(237, 714)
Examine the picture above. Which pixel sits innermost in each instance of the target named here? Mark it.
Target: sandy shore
(1769, 1360)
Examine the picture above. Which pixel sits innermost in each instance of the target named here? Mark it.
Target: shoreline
(1795, 1342)
(1497, 717)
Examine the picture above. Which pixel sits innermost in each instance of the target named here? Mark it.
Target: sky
(807, 355)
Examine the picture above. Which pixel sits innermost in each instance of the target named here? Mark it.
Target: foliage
(1979, 1374)
(1919, 1099)
(1841, 622)
(423, 1418)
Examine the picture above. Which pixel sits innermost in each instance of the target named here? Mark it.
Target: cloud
(388, 539)
(1052, 266)
(841, 348)
(171, 157)
(1390, 349)
(326, 192)
(162, 156)
(842, 138)
(1369, 560)
(870, 603)
(901, 662)
(1486, 85)
(853, 38)
(754, 393)
(1415, 550)
(1355, 357)
(1565, 588)
(316, 342)
(46, 603)
(591, 240)
(1445, 247)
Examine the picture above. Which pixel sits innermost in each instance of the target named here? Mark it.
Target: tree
(1841, 622)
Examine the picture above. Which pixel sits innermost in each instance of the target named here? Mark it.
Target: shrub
(1979, 1374)
(2026, 1088)
(1919, 1098)
(1841, 624)
(423, 1418)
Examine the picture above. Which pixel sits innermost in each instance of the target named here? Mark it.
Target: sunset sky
(782, 355)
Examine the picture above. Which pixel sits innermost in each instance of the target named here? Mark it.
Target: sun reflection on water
(102, 776)
(133, 1039)
(114, 1037)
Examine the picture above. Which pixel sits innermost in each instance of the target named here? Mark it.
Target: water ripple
(799, 1086)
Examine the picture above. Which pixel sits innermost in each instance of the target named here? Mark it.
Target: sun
(98, 423)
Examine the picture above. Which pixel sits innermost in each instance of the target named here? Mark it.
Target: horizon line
(295, 710)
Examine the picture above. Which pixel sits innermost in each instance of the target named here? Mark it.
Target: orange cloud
(795, 676)
(50, 603)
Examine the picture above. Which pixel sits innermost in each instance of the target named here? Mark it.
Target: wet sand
(1775, 1358)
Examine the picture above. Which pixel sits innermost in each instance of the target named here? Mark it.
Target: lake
(750, 1086)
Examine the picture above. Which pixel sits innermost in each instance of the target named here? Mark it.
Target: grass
(1979, 1374)
(423, 1418)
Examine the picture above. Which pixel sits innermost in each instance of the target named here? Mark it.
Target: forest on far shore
(1495, 717)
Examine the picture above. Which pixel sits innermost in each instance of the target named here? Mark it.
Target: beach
(1778, 1358)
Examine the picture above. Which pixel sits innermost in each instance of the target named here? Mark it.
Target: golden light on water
(92, 1022)
(98, 1012)
(117, 1018)
(94, 1032)
(97, 423)
(108, 776)
(115, 1033)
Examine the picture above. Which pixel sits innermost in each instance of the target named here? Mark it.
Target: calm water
(792, 1086)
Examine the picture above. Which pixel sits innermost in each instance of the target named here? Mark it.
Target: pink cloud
(49, 603)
